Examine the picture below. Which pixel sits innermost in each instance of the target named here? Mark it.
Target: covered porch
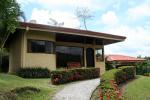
(74, 50)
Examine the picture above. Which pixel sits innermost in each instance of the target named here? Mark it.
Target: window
(40, 46)
(66, 54)
(99, 54)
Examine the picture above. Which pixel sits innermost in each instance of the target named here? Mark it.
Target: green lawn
(139, 89)
(9, 82)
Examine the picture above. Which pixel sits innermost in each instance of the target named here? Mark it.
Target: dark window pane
(68, 54)
(49, 47)
(40, 46)
(37, 46)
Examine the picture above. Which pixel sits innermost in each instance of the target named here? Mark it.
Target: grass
(10, 82)
(139, 89)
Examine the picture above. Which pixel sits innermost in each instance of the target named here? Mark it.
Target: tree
(9, 16)
(83, 15)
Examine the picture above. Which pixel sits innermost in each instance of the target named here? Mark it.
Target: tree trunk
(1, 59)
(84, 21)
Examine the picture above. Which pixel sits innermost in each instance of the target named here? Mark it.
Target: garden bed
(119, 76)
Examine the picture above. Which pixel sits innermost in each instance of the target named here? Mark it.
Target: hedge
(120, 75)
(70, 75)
(34, 72)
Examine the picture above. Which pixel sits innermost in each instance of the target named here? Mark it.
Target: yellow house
(36, 45)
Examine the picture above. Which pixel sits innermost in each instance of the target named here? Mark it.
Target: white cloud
(84, 3)
(23, 3)
(62, 4)
(137, 42)
(71, 4)
(109, 18)
(42, 16)
(139, 11)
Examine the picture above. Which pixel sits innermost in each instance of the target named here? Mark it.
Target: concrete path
(78, 91)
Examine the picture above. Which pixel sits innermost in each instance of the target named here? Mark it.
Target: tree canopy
(9, 12)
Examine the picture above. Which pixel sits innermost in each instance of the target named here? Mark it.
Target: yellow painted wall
(15, 53)
(100, 64)
(38, 59)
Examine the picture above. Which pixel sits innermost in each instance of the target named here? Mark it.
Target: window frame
(29, 46)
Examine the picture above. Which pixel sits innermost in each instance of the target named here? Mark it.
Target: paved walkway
(78, 91)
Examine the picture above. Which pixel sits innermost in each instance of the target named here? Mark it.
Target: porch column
(85, 64)
(94, 56)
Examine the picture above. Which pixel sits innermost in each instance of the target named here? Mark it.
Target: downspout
(23, 46)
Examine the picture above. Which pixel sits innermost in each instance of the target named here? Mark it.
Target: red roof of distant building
(122, 58)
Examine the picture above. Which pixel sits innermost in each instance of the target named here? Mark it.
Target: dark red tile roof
(122, 58)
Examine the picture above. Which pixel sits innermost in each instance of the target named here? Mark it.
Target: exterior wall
(100, 65)
(19, 57)
(15, 53)
(38, 59)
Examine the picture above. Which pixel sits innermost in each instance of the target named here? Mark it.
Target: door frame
(90, 50)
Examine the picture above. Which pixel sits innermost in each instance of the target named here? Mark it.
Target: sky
(130, 18)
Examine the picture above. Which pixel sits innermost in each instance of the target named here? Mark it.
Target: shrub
(34, 72)
(26, 89)
(143, 67)
(124, 74)
(108, 66)
(12, 94)
(120, 76)
(130, 71)
(65, 76)
(146, 74)
(7, 95)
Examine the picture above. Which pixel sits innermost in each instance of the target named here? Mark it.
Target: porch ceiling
(83, 39)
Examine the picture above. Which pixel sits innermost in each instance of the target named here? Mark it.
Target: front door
(90, 57)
